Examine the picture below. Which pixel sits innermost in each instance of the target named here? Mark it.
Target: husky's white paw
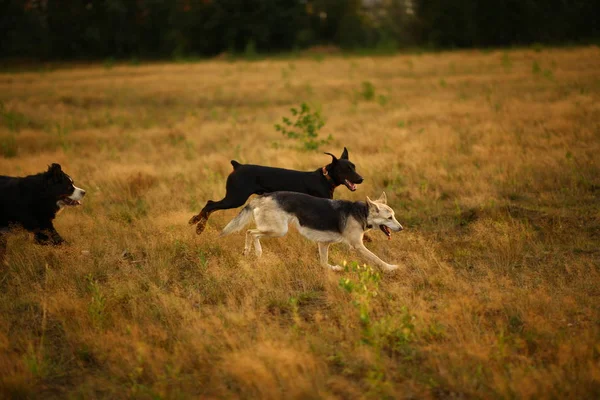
(335, 268)
(390, 268)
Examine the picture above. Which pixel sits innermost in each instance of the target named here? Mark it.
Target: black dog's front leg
(48, 236)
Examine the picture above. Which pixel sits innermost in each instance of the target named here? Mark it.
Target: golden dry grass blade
(489, 159)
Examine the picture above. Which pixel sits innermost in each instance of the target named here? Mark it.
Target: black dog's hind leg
(230, 201)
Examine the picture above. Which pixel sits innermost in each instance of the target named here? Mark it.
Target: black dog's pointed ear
(344, 154)
(333, 157)
(54, 169)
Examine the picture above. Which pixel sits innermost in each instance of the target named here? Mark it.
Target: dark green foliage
(123, 29)
(480, 23)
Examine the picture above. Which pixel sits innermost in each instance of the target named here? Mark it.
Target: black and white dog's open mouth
(69, 202)
(349, 185)
(386, 230)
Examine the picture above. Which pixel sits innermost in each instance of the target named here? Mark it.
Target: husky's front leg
(324, 257)
(374, 259)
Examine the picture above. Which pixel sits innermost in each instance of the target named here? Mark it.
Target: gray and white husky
(321, 220)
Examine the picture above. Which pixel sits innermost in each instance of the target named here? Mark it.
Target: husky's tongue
(386, 230)
(350, 185)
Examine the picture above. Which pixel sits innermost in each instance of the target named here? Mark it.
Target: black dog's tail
(235, 164)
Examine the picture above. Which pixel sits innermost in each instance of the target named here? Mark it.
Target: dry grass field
(490, 159)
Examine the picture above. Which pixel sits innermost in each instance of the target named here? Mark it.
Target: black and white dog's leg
(256, 234)
(374, 259)
(249, 240)
(324, 257)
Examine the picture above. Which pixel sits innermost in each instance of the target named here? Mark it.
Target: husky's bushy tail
(239, 222)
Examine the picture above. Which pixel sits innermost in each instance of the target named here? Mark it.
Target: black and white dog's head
(59, 187)
(343, 171)
(382, 215)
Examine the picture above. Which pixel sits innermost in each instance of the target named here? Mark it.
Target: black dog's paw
(59, 242)
(49, 240)
(42, 239)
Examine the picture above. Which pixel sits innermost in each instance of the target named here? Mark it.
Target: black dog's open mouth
(386, 230)
(349, 185)
(70, 202)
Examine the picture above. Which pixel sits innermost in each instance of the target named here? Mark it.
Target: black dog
(33, 201)
(247, 179)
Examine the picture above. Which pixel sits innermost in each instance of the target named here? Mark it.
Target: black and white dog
(33, 201)
(321, 220)
(247, 179)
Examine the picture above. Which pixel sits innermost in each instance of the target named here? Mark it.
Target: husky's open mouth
(386, 230)
(349, 185)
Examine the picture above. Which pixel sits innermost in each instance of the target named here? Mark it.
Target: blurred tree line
(67, 29)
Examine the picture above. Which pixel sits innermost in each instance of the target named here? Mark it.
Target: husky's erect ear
(334, 158)
(372, 204)
(382, 199)
(344, 154)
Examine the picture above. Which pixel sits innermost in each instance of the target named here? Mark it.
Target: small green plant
(382, 100)
(368, 91)
(394, 335)
(96, 308)
(386, 334)
(363, 289)
(36, 362)
(13, 120)
(305, 128)
(548, 74)
(8, 146)
(535, 68)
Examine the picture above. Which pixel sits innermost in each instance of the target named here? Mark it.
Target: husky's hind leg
(248, 244)
(270, 222)
(256, 234)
